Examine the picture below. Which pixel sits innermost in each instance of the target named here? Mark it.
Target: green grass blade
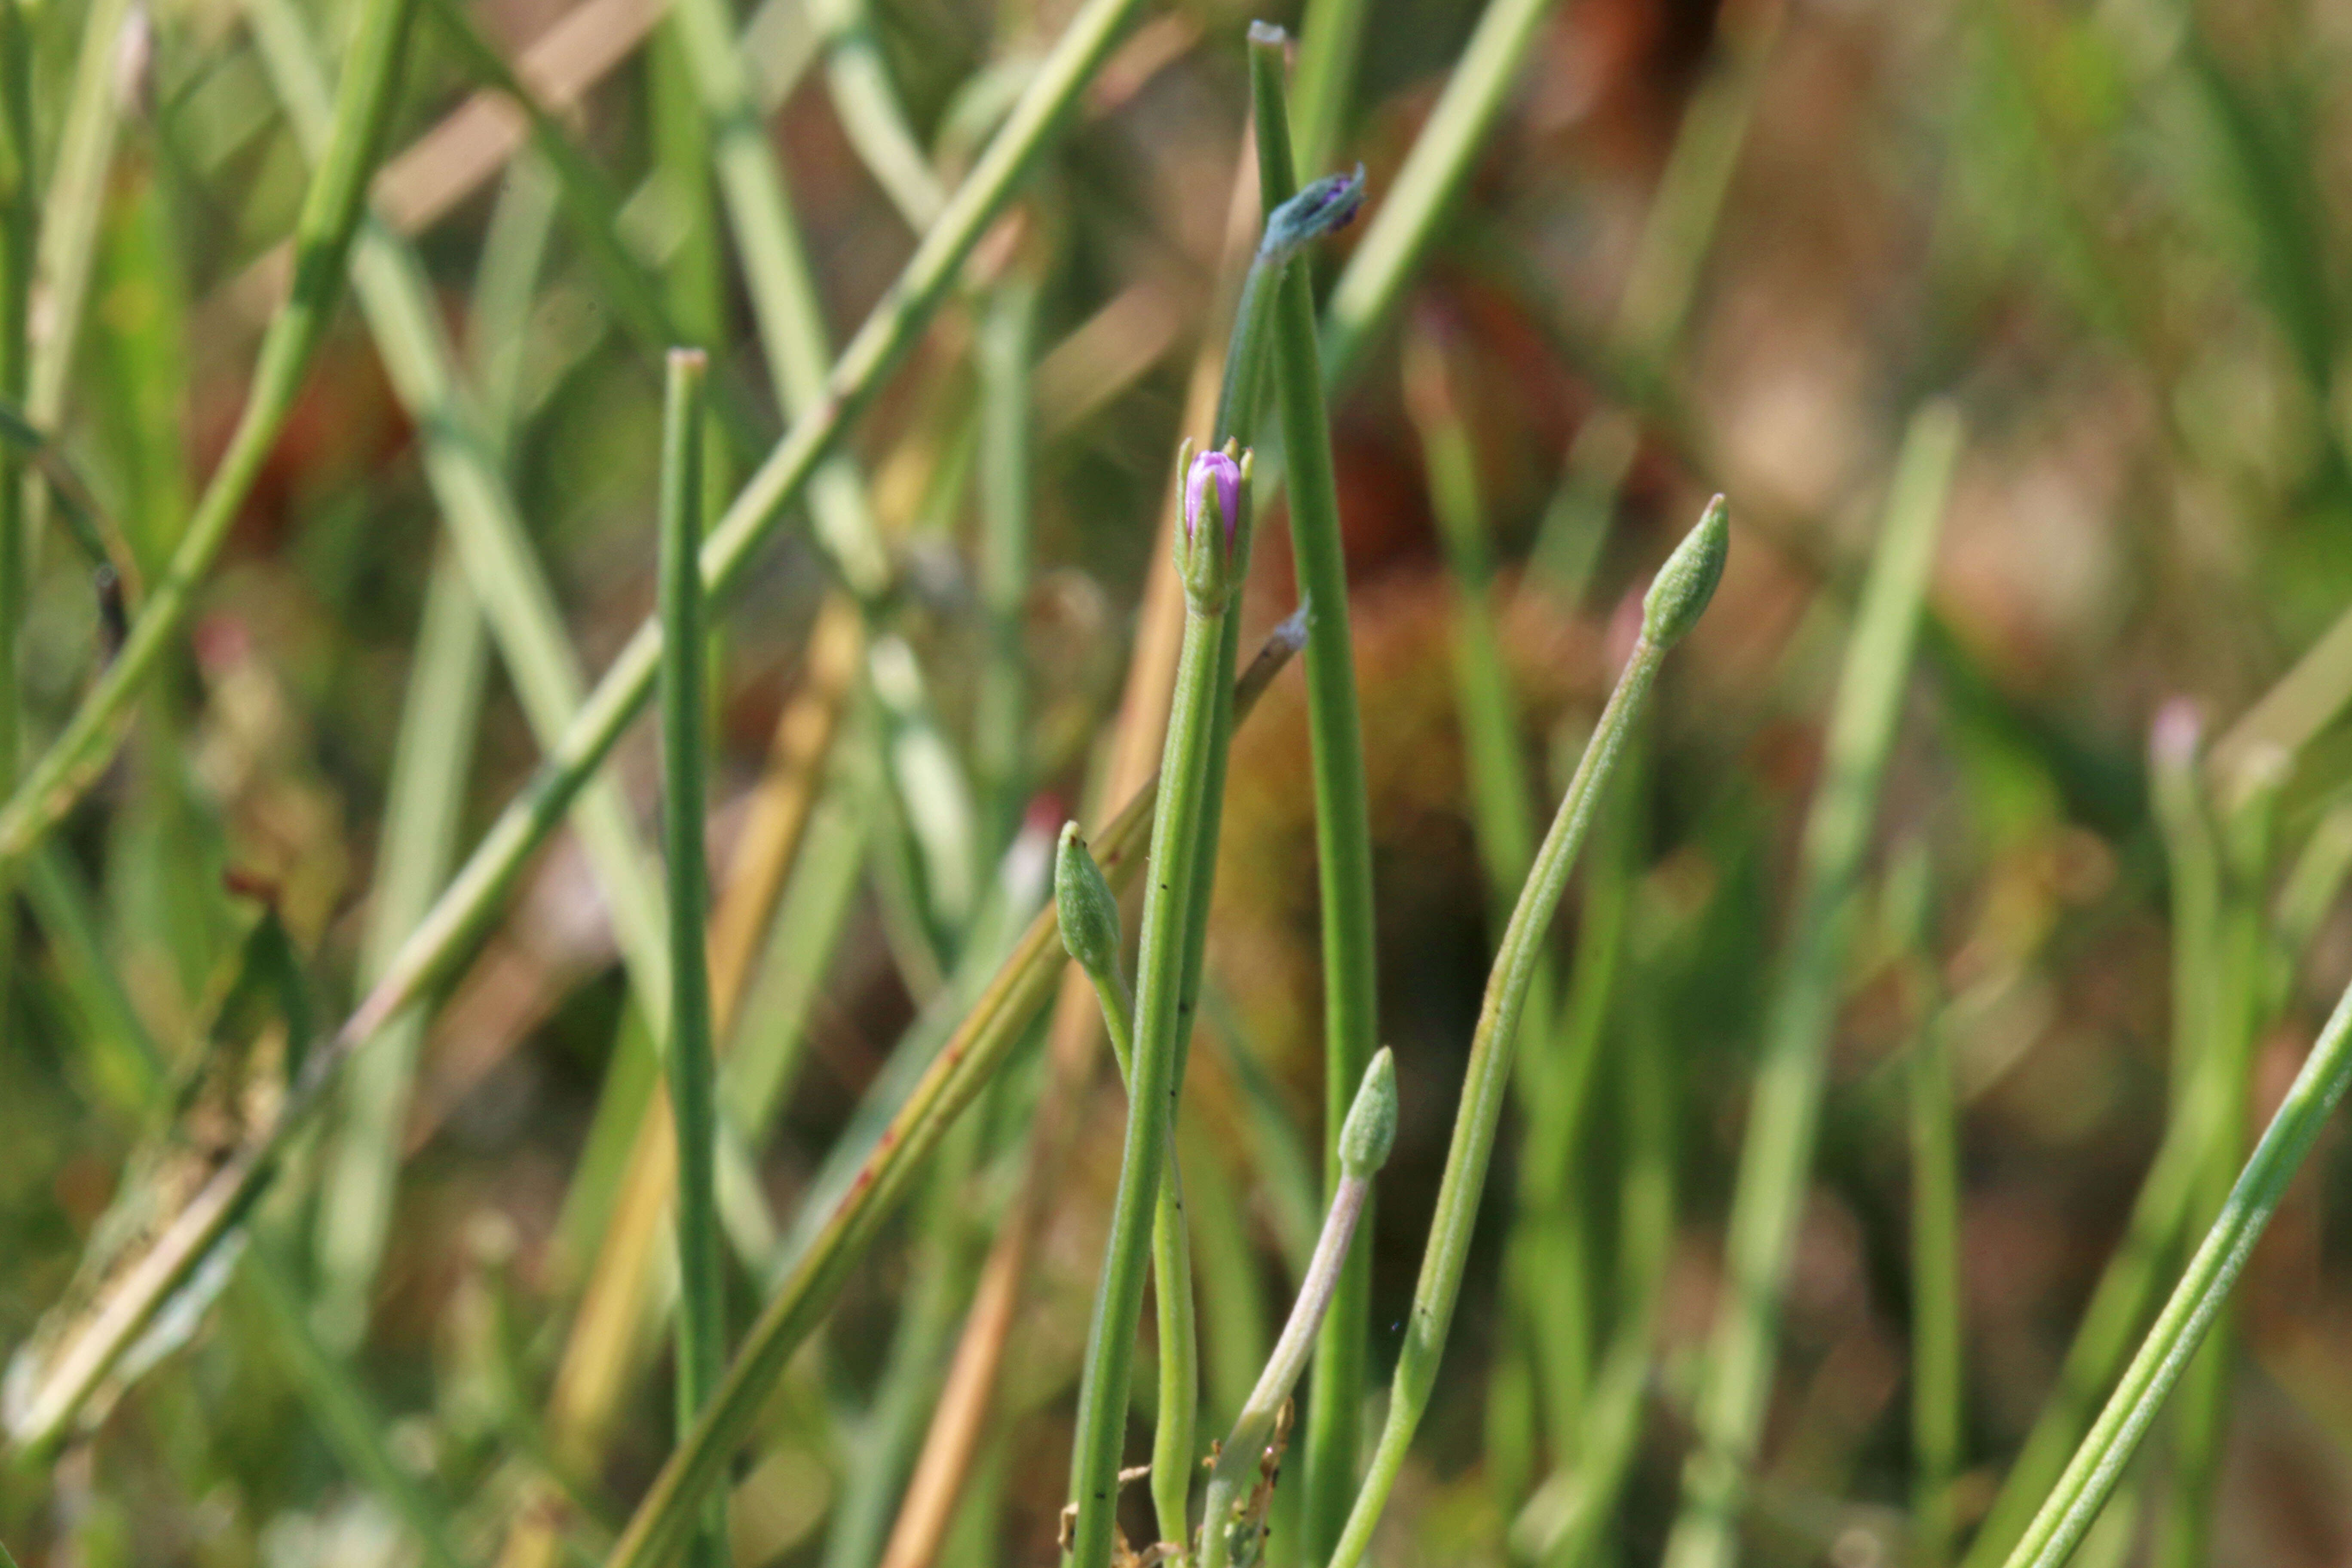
(486, 524)
(1938, 1378)
(1331, 47)
(331, 213)
(1777, 1159)
(1407, 222)
(857, 76)
(19, 208)
(792, 336)
(1006, 347)
(467, 905)
(1343, 834)
(431, 763)
(702, 1303)
(72, 203)
(962, 1067)
(1675, 603)
(2068, 1513)
(2239, 1013)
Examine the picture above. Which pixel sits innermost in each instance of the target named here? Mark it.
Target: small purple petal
(1206, 466)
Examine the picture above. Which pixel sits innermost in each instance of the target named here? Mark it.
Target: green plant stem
(1777, 1156)
(1005, 351)
(957, 1071)
(1171, 1272)
(1238, 1457)
(431, 762)
(1152, 1085)
(857, 77)
(1417, 202)
(1331, 45)
(322, 234)
(2090, 1477)
(463, 463)
(69, 211)
(19, 224)
(2164, 1212)
(793, 338)
(2240, 1013)
(1343, 834)
(1675, 603)
(702, 1335)
(430, 765)
(1937, 1383)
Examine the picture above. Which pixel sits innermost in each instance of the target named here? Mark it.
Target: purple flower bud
(1227, 474)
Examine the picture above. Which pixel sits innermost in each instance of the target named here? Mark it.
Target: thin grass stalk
(1089, 920)
(2158, 1222)
(2240, 1015)
(761, 1030)
(19, 221)
(330, 212)
(1073, 1036)
(962, 1066)
(1006, 346)
(1937, 1379)
(1212, 551)
(1674, 604)
(1777, 1157)
(1416, 203)
(466, 472)
(431, 760)
(2163, 1211)
(1330, 49)
(1233, 1522)
(792, 337)
(1343, 834)
(2091, 1476)
(857, 78)
(1545, 1295)
(701, 1327)
(72, 201)
(431, 763)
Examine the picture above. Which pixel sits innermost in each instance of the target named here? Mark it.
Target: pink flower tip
(1212, 468)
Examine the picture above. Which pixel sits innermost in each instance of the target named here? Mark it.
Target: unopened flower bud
(1370, 1131)
(1215, 491)
(1321, 206)
(1085, 907)
(1686, 582)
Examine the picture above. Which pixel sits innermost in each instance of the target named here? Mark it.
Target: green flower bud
(1085, 907)
(1686, 582)
(1366, 1137)
(1321, 206)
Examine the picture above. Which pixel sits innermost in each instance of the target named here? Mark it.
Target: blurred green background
(1705, 248)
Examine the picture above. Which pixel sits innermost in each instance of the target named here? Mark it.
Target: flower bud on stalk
(1087, 910)
(1214, 517)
